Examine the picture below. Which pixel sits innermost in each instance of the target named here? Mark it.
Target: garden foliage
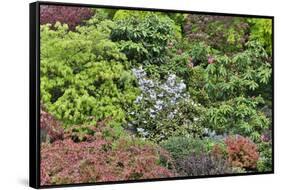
(224, 33)
(130, 95)
(164, 109)
(261, 30)
(51, 129)
(203, 164)
(242, 152)
(72, 16)
(195, 156)
(83, 75)
(145, 37)
(67, 162)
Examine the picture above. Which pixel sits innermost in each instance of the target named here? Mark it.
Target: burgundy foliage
(213, 30)
(50, 127)
(199, 164)
(266, 136)
(72, 16)
(97, 158)
(64, 162)
(202, 164)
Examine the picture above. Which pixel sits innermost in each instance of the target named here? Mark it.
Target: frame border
(34, 93)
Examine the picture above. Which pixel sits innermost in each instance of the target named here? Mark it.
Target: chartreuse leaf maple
(83, 75)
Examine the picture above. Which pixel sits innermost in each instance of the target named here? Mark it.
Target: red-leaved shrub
(64, 162)
(72, 16)
(216, 30)
(242, 152)
(49, 127)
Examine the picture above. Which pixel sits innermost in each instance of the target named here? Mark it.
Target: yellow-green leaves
(261, 30)
(83, 76)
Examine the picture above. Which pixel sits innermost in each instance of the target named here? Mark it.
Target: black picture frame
(34, 92)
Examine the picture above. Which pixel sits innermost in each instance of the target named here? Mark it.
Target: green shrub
(237, 116)
(182, 146)
(240, 74)
(144, 15)
(81, 133)
(196, 85)
(146, 35)
(233, 85)
(83, 75)
(105, 14)
(194, 156)
(179, 18)
(199, 54)
(261, 31)
(264, 163)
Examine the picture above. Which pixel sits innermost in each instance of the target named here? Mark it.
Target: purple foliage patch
(72, 16)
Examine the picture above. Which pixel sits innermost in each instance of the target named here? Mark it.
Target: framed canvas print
(121, 94)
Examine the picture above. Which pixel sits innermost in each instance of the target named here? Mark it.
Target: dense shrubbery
(65, 162)
(203, 164)
(223, 33)
(264, 163)
(230, 84)
(182, 146)
(133, 95)
(145, 37)
(101, 154)
(72, 16)
(83, 76)
(261, 30)
(51, 129)
(164, 109)
(194, 156)
(242, 152)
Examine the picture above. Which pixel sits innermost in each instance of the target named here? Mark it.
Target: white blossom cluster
(171, 90)
(175, 90)
(156, 95)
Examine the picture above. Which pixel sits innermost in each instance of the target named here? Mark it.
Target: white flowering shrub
(164, 109)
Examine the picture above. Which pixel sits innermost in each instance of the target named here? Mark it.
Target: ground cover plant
(132, 95)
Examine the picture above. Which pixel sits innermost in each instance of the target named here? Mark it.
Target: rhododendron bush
(133, 95)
